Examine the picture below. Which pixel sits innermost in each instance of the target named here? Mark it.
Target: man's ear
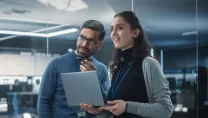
(100, 45)
(136, 33)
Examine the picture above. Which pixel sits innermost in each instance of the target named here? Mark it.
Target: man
(52, 101)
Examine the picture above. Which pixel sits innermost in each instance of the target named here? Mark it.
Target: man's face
(88, 42)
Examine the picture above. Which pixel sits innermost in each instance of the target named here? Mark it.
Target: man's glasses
(89, 40)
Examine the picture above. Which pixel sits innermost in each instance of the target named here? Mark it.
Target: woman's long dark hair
(141, 47)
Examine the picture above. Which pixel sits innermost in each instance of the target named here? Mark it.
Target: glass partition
(33, 32)
(202, 57)
(23, 54)
(171, 28)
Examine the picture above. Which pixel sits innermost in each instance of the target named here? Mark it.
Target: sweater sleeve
(47, 91)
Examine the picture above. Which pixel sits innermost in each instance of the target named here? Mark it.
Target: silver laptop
(82, 87)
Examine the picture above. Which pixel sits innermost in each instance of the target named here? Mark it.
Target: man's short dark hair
(95, 25)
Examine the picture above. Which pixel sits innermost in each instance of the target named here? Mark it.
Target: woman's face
(122, 34)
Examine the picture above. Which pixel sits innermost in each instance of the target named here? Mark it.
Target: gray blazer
(158, 92)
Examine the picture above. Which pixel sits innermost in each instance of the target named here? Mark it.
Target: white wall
(27, 65)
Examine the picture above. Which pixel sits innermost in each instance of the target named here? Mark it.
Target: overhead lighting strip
(71, 30)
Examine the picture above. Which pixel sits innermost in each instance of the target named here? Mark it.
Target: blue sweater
(52, 101)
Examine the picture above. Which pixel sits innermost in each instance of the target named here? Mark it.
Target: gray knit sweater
(160, 105)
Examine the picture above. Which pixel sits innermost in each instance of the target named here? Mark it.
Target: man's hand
(87, 66)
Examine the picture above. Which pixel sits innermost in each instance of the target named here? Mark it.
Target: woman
(138, 87)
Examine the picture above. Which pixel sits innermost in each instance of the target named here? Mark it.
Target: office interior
(33, 32)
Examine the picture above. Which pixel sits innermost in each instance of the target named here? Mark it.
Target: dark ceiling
(164, 22)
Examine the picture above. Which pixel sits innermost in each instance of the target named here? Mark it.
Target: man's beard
(84, 55)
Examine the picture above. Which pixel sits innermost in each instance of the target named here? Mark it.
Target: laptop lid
(82, 87)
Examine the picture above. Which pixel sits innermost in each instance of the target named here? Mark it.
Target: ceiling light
(39, 34)
(67, 5)
(62, 32)
(22, 33)
(60, 4)
(76, 5)
(189, 33)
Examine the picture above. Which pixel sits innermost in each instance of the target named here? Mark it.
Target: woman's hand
(117, 107)
(90, 109)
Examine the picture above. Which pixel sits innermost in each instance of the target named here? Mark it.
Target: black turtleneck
(132, 88)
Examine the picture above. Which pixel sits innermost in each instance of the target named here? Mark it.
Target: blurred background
(32, 32)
